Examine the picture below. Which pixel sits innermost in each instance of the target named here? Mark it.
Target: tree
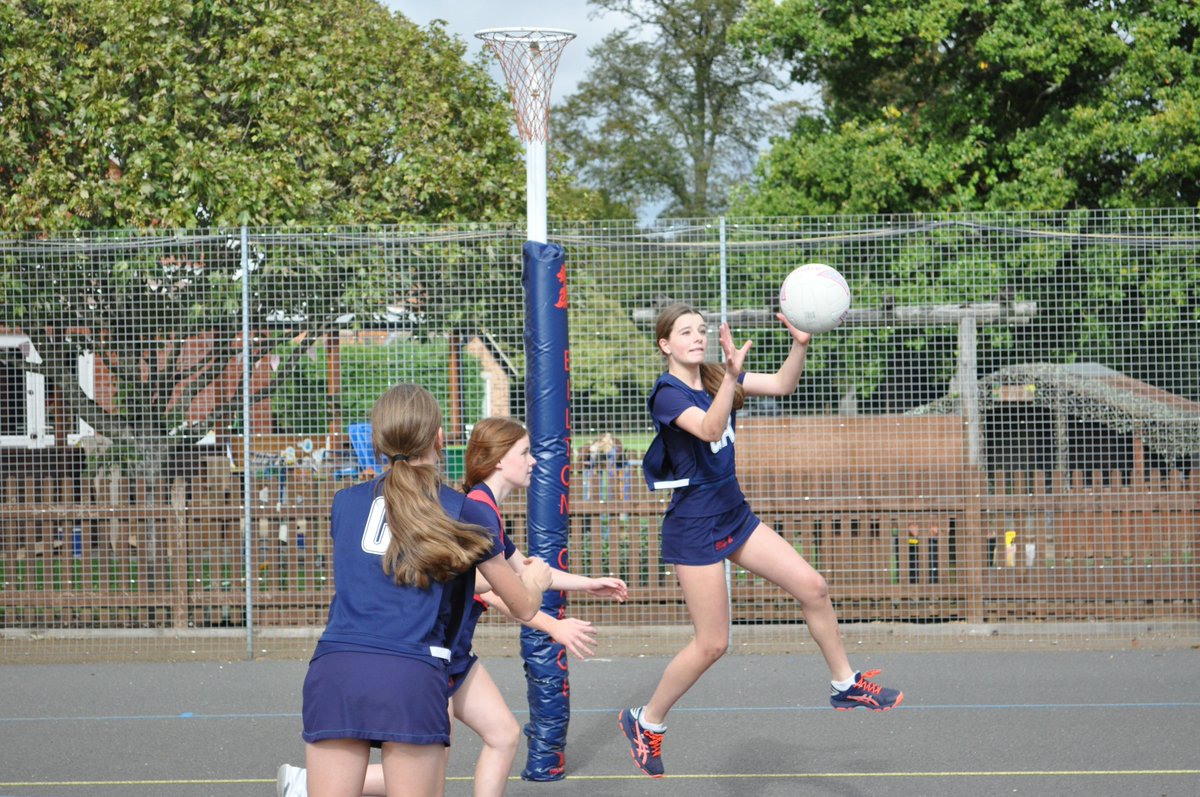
(187, 118)
(978, 104)
(669, 110)
(969, 105)
(143, 113)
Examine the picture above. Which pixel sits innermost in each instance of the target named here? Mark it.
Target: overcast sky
(464, 17)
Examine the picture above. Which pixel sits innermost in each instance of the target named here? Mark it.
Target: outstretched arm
(784, 381)
(602, 587)
(577, 636)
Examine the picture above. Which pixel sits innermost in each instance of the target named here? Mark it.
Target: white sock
(842, 686)
(650, 726)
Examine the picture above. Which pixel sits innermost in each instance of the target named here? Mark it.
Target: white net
(529, 57)
(1001, 442)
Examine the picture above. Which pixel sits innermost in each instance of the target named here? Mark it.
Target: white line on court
(1043, 773)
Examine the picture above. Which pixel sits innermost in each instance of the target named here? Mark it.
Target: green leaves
(195, 118)
(974, 104)
(139, 114)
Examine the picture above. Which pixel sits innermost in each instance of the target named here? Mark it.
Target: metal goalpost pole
(529, 57)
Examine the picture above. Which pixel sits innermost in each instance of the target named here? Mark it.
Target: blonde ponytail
(426, 544)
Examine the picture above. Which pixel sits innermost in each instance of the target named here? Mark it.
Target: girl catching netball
(405, 550)
(694, 406)
(498, 460)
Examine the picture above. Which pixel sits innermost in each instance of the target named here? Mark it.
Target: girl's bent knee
(712, 650)
(505, 737)
(815, 590)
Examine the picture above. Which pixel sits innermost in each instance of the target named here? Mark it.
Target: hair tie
(399, 458)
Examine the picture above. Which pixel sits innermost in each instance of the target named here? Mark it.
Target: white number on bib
(725, 440)
(376, 534)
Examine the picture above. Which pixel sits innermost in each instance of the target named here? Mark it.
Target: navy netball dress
(708, 517)
(461, 657)
(379, 671)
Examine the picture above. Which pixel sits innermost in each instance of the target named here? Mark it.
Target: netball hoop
(529, 58)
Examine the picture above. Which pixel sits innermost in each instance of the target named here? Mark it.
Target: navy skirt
(377, 697)
(706, 540)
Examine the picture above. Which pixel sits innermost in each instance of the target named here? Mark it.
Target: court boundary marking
(1040, 773)
(190, 715)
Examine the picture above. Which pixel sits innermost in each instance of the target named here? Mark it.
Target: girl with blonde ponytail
(497, 462)
(426, 544)
(405, 551)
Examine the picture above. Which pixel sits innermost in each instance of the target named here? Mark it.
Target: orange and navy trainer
(645, 746)
(866, 694)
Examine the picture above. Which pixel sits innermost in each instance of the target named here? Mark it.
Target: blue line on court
(694, 709)
(930, 707)
(186, 715)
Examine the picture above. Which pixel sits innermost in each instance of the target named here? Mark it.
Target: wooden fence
(928, 542)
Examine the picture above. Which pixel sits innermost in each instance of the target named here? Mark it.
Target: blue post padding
(548, 414)
(548, 690)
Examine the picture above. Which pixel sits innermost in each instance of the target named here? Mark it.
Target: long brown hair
(490, 440)
(427, 544)
(711, 374)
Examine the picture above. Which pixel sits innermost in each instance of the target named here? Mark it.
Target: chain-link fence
(1003, 434)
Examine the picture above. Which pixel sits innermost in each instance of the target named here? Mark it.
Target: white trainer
(291, 781)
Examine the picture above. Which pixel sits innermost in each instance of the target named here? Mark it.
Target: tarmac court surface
(1089, 724)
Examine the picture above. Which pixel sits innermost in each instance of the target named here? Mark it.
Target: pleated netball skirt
(706, 540)
(377, 697)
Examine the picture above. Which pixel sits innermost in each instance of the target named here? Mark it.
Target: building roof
(1167, 424)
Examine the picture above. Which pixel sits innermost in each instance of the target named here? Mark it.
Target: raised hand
(800, 336)
(734, 357)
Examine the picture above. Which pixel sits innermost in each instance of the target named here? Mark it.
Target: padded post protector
(548, 414)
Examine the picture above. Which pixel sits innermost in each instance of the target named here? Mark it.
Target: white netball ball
(815, 298)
